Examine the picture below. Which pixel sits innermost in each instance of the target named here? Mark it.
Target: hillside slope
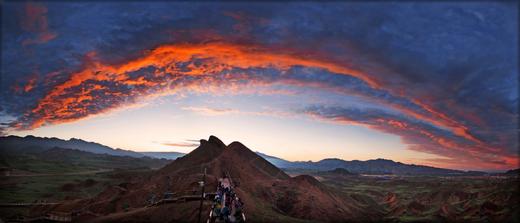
(270, 195)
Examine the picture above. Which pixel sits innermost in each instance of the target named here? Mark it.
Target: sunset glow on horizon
(299, 81)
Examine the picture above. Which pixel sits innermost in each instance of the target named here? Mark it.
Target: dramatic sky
(424, 83)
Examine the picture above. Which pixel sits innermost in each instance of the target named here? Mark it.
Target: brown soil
(268, 193)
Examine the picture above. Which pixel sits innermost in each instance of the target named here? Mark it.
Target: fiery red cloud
(218, 57)
(100, 87)
(433, 71)
(63, 103)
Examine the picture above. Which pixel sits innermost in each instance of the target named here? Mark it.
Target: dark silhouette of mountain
(34, 144)
(269, 194)
(164, 155)
(376, 166)
(337, 171)
(514, 172)
(68, 159)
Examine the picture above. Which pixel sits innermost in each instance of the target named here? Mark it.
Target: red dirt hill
(269, 194)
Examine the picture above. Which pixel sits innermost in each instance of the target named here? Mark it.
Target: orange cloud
(457, 127)
(57, 105)
(73, 99)
(30, 84)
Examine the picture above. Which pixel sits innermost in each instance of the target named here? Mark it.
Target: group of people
(227, 206)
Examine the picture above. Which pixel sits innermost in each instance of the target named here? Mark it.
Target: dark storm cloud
(452, 65)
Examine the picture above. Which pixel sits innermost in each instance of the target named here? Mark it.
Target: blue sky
(429, 83)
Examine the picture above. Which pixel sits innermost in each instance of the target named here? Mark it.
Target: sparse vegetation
(56, 174)
(118, 191)
(426, 199)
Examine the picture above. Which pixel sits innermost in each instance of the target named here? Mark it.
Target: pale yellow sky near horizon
(147, 128)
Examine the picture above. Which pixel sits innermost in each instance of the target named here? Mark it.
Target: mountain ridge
(17, 143)
(372, 166)
(269, 194)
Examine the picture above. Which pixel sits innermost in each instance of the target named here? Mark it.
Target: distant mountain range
(514, 172)
(59, 161)
(278, 162)
(31, 143)
(36, 144)
(164, 155)
(35, 155)
(376, 166)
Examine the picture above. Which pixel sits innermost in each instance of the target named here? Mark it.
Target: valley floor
(433, 198)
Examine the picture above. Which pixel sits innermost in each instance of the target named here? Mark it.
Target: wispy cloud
(203, 110)
(211, 111)
(193, 140)
(180, 144)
